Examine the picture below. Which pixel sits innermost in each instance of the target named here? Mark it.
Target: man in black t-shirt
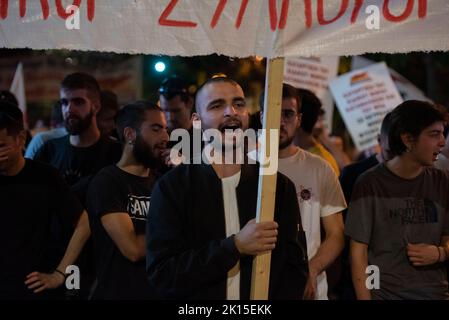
(118, 201)
(31, 195)
(82, 152)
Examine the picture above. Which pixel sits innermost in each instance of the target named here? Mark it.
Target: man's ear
(407, 140)
(130, 135)
(195, 117)
(96, 106)
(299, 121)
(21, 139)
(261, 116)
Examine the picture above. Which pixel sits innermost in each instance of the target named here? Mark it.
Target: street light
(159, 66)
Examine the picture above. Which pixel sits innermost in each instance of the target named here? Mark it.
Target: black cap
(173, 86)
(8, 97)
(9, 106)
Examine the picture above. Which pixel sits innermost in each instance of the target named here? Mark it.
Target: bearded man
(82, 152)
(202, 234)
(118, 201)
(78, 156)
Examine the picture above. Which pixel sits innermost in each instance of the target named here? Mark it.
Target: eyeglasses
(288, 115)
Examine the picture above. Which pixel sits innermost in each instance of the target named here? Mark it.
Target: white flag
(18, 88)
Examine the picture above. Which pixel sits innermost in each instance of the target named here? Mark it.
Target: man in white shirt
(319, 195)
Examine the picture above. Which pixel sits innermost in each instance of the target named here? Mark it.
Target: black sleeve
(173, 267)
(290, 264)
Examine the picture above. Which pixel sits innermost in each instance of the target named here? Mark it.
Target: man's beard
(80, 125)
(288, 141)
(145, 155)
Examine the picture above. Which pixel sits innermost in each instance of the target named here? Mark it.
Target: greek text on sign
(314, 74)
(363, 98)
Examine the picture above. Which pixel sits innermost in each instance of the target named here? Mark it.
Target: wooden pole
(267, 179)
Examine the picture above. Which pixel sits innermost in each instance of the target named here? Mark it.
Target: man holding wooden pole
(202, 235)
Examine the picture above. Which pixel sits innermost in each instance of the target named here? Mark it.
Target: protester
(57, 130)
(202, 234)
(398, 216)
(118, 202)
(319, 195)
(33, 196)
(304, 139)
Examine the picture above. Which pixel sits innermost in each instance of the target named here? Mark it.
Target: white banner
(314, 74)
(239, 28)
(363, 97)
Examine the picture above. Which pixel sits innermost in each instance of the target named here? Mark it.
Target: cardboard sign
(363, 97)
(407, 89)
(314, 74)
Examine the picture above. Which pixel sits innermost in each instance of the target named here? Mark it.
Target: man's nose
(442, 141)
(282, 120)
(68, 107)
(230, 110)
(165, 136)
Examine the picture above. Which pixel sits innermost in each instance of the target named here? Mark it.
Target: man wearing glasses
(319, 195)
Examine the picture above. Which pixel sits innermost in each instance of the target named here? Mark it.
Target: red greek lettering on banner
(322, 20)
(272, 8)
(164, 21)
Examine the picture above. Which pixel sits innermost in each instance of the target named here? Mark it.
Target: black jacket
(188, 254)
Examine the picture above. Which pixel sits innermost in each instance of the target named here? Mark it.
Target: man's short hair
(80, 80)
(132, 115)
(385, 126)
(220, 79)
(310, 109)
(411, 117)
(11, 118)
(288, 91)
(174, 86)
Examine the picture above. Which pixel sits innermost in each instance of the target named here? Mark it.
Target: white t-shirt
(319, 195)
(232, 221)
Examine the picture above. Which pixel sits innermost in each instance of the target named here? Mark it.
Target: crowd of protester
(100, 192)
